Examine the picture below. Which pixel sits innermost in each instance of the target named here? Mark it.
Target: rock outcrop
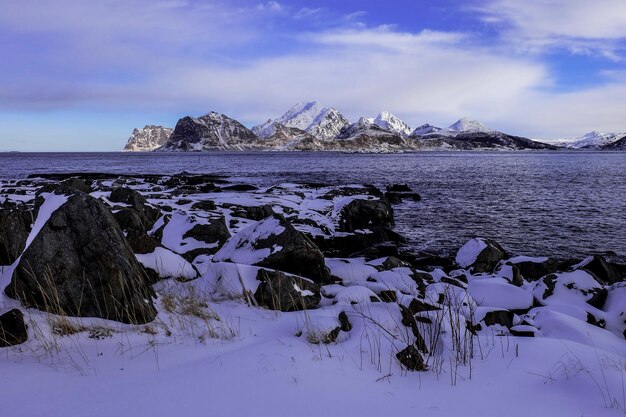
(80, 264)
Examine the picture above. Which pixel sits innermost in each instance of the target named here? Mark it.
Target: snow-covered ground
(212, 351)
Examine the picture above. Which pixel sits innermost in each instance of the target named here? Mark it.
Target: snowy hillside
(592, 140)
(321, 122)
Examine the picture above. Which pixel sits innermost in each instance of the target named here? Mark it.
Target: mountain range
(310, 126)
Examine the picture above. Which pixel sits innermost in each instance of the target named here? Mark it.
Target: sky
(79, 76)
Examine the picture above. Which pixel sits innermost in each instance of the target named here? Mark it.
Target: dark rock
(502, 317)
(204, 205)
(488, 258)
(215, 234)
(601, 269)
(78, 184)
(532, 271)
(285, 292)
(418, 306)
(140, 242)
(81, 265)
(346, 326)
(377, 251)
(380, 242)
(253, 212)
(12, 328)
(411, 359)
(522, 333)
(144, 210)
(397, 198)
(290, 250)
(365, 214)
(399, 188)
(15, 221)
(240, 187)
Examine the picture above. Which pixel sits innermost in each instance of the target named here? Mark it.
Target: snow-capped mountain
(468, 125)
(391, 123)
(618, 145)
(211, 131)
(466, 134)
(425, 129)
(322, 122)
(147, 139)
(592, 140)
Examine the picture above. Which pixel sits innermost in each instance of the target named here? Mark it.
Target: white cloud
(184, 56)
(582, 26)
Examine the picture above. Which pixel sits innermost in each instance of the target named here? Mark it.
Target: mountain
(211, 131)
(465, 125)
(425, 129)
(321, 122)
(147, 139)
(388, 121)
(367, 136)
(618, 145)
(592, 140)
(284, 137)
(466, 134)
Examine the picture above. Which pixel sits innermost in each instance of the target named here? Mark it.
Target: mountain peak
(468, 125)
(322, 122)
(388, 121)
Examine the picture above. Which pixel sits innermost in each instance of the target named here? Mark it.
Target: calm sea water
(564, 204)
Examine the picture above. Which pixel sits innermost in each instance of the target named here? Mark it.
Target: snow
(239, 248)
(467, 125)
(469, 252)
(520, 259)
(392, 123)
(167, 264)
(212, 351)
(497, 292)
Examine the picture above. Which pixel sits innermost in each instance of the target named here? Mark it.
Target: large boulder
(533, 268)
(601, 269)
(361, 214)
(480, 255)
(80, 264)
(12, 328)
(15, 223)
(274, 243)
(577, 288)
(286, 292)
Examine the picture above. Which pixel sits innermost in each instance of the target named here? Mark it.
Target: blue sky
(79, 75)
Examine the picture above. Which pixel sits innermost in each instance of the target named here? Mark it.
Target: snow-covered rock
(148, 139)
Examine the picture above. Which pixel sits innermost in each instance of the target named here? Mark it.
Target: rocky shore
(131, 249)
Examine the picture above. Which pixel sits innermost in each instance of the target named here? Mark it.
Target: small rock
(411, 359)
(12, 328)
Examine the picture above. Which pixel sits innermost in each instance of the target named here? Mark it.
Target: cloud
(582, 26)
(174, 56)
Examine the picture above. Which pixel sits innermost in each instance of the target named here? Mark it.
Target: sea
(565, 204)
